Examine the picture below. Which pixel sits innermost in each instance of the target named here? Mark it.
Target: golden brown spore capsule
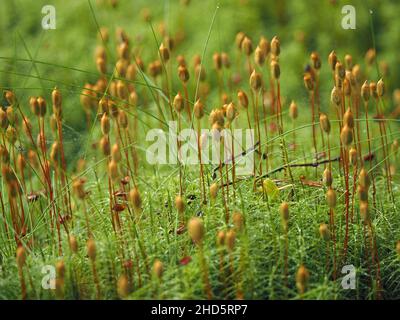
(325, 123)
(221, 238)
(362, 193)
(103, 106)
(353, 156)
(264, 46)
(169, 42)
(7, 173)
(380, 88)
(123, 119)
(196, 230)
(11, 135)
(327, 177)
(372, 90)
(316, 60)
(348, 119)
(214, 191)
(34, 106)
(324, 231)
(158, 268)
(21, 257)
(178, 103)
(131, 72)
(308, 82)
(21, 162)
(136, 199)
(340, 71)
(247, 46)
(198, 109)
(331, 198)
(4, 155)
(338, 82)
(238, 220)
(302, 277)
(183, 74)
(12, 117)
(91, 249)
(100, 52)
(133, 99)
(123, 286)
(121, 67)
(348, 61)
(230, 239)
(346, 136)
(122, 90)
(56, 99)
(179, 204)
(346, 87)
(352, 80)
(231, 112)
(196, 60)
(113, 170)
(225, 100)
(3, 119)
(255, 80)
(60, 269)
(73, 244)
(217, 61)
(217, 116)
(365, 91)
(275, 46)
(239, 39)
(164, 52)
(113, 109)
(396, 97)
(116, 153)
(293, 111)
(101, 65)
(275, 69)
(259, 56)
(41, 107)
(123, 50)
(32, 156)
(370, 56)
(10, 97)
(284, 211)
(332, 60)
(105, 124)
(78, 188)
(181, 60)
(226, 62)
(105, 146)
(357, 73)
(363, 178)
(55, 153)
(243, 99)
(336, 97)
(364, 211)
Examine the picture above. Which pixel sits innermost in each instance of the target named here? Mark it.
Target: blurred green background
(303, 26)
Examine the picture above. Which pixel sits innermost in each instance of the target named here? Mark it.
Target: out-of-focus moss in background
(303, 26)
